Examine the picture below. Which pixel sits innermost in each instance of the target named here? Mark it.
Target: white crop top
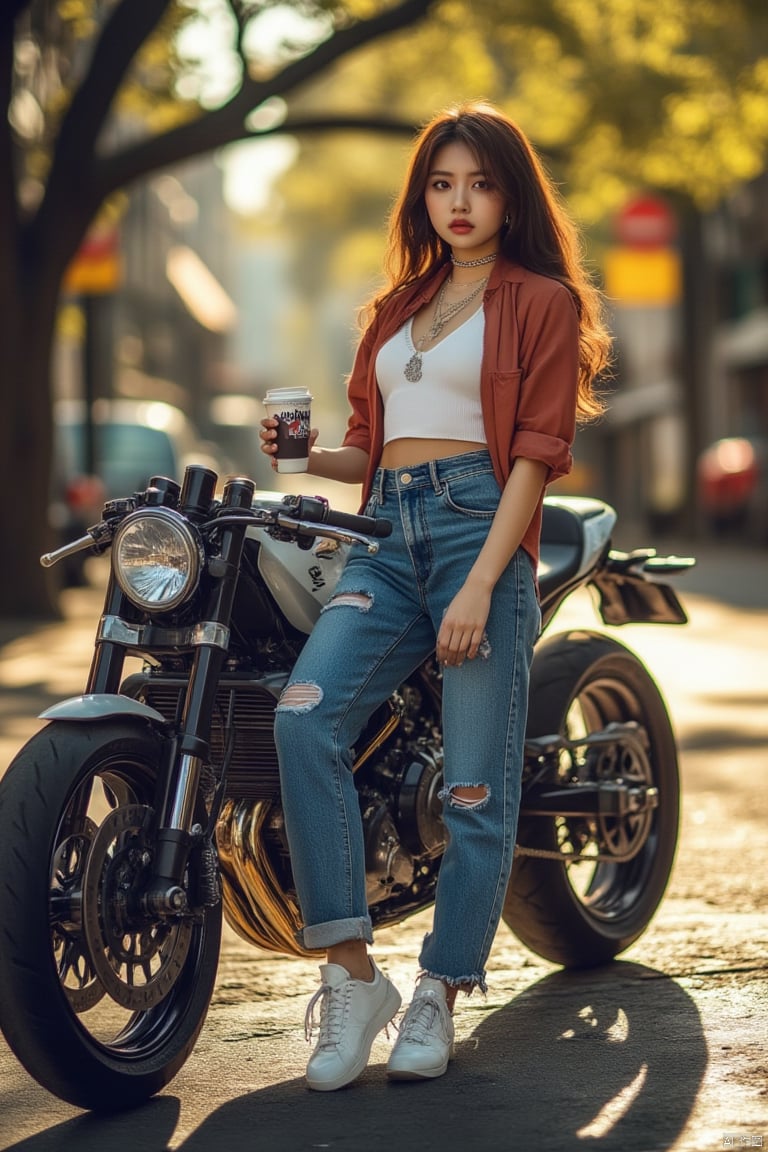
(445, 403)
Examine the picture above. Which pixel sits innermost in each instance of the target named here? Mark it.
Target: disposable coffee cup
(292, 408)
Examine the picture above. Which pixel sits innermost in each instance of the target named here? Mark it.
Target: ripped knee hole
(360, 600)
(300, 698)
(466, 795)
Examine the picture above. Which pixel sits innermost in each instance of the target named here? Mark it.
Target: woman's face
(464, 208)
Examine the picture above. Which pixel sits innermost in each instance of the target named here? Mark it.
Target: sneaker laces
(330, 1019)
(422, 1013)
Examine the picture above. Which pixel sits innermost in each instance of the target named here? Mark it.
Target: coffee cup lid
(279, 395)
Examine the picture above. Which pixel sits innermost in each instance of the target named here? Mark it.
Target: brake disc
(137, 956)
(79, 981)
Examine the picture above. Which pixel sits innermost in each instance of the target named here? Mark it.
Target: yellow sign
(643, 276)
(97, 267)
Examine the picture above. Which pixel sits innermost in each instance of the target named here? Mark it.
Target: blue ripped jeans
(381, 624)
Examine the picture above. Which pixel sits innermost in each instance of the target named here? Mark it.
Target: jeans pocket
(475, 494)
(372, 505)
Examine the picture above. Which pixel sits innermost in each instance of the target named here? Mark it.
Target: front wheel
(101, 1003)
(583, 912)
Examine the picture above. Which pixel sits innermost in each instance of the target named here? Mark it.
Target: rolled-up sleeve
(549, 357)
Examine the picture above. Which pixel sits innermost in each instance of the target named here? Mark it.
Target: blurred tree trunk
(699, 320)
(29, 285)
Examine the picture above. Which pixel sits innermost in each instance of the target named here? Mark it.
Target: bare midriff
(409, 451)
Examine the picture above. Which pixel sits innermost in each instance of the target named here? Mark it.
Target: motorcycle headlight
(156, 559)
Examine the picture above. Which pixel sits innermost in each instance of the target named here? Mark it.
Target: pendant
(412, 369)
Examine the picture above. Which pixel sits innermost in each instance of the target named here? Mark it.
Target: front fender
(99, 706)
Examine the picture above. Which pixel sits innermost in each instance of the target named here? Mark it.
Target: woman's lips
(461, 226)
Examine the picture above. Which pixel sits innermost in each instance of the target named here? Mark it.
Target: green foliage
(664, 93)
(617, 94)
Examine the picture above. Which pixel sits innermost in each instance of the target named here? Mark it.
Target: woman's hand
(463, 627)
(268, 435)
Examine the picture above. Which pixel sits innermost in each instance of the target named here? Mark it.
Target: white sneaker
(425, 1043)
(352, 1012)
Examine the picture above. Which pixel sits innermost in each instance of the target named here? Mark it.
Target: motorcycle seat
(570, 530)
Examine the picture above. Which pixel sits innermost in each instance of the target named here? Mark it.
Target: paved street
(665, 1049)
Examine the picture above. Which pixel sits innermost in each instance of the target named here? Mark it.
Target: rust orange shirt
(528, 375)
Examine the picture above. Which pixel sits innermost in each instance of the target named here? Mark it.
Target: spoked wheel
(597, 882)
(102, 999)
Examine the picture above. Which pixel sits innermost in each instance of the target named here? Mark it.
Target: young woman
(476, 361)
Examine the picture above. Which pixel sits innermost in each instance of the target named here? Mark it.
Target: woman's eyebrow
(445, 172)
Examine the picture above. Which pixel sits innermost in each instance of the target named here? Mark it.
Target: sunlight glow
(281, 33)
(612, 1112)
(250, 168)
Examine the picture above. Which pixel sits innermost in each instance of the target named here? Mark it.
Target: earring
(506, 219)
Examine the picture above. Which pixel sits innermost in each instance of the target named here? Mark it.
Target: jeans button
(406, 477)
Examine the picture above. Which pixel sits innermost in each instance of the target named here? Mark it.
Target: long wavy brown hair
(540, 235)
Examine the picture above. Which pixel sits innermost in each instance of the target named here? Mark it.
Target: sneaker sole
(394, 1073)
(389, 1009)
(422, 1074)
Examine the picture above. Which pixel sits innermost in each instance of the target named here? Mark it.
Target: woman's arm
(347, 464)
(463, 625)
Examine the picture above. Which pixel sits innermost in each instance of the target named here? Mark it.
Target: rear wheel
(584, 912)
(102, 1002)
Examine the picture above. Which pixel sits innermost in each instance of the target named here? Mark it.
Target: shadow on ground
(610, 1059)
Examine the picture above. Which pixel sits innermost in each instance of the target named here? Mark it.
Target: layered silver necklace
(412, 370)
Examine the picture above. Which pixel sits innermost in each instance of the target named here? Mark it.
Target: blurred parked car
(132, 441)
(732, 483)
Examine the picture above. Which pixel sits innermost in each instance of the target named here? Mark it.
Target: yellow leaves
(672, 93)
(596, 188)
(752, 98)
(753, 109)
(74, 9)
(80, 15)
(690, 117)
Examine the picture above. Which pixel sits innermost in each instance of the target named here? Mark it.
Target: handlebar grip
(365, 525)
(316, 510)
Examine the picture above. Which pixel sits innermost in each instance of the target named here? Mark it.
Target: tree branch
(226, 125)
(69, 183)
(346, 40)
(241, 21)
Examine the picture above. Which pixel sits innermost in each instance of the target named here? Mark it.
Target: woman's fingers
(268, 435)
(458, 645)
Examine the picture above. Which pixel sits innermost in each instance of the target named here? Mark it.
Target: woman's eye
(440, 184)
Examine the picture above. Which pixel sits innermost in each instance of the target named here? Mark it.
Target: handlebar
(317, 511)
(97, 536)
(301, 518)
(48, 559)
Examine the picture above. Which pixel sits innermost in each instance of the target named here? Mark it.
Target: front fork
(176, 831)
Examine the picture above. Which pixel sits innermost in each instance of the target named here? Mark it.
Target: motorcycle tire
(57, 1014)
(583, 914)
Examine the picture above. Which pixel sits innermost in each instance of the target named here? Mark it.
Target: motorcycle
(148, 808)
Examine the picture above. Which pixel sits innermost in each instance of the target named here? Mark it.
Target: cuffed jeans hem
(317, 936)
(465, 984)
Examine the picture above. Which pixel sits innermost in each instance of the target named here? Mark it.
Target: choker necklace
(412, 370)
(474, 263)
